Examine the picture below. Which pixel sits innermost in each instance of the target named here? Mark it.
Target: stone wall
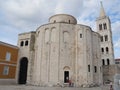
(109, 71)
(57, 48)
(7, 81)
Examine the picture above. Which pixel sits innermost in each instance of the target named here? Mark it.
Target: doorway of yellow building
(23, 71)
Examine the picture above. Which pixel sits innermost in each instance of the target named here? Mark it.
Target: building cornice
(8, 45)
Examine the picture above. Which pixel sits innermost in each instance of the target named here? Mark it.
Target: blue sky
(18, 16)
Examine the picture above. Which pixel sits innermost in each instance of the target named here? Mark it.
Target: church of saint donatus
(63, 50)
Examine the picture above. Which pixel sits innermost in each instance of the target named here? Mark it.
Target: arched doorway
(23, 71)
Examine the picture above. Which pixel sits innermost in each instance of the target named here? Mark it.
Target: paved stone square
(23, 87)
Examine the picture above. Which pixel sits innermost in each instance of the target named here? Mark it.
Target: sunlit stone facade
(61, 51)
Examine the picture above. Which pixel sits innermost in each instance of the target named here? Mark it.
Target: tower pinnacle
(102, 11)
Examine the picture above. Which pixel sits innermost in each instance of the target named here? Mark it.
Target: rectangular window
(6, 70)
(95, 68)
(100, 26)
(101, 38)
(108, 62)
(88, 68)
(117, 63)
(107, 50)
(80, 35)
(103, 62)
(8, 56)
(106, 38)
(105, 26)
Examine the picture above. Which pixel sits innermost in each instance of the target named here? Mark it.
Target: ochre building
(8, 61)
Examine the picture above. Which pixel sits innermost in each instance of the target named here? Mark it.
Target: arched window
(103, 62)
(108, 62)
(53, 35)
(105, 26)
(106, 37)
(101, 38)
(21, 43)
(26, 43)
(100, 26)
(102, 49)
(107, 50)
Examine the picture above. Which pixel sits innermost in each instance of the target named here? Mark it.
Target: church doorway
(66, 76)
(23, 71)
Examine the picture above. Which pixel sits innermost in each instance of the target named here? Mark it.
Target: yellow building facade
(8, 60)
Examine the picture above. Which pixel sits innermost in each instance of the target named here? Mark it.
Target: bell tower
(104, 29)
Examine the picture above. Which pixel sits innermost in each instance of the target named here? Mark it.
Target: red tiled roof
(117, 59)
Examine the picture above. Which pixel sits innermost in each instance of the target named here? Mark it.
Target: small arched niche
(53, 35)
(47, 35)
(66, 37)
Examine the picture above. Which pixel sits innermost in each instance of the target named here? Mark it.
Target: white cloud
(24, 8)
(19, 16)
(26, 13)
(117, 44)
(74, 7)
(30, 13)
(116, 27)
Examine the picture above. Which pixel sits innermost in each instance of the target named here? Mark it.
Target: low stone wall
(117, 82)
(7, 81)
(109, 72)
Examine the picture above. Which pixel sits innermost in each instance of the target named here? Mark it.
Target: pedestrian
(111, 87)
(69, 83)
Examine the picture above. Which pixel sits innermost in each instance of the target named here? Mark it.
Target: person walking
(111, 86)
(69, 83)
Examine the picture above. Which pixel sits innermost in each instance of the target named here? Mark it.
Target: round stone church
(58, 52)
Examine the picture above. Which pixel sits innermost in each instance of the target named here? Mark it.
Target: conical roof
(102, 11)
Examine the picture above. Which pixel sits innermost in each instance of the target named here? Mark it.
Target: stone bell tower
(104, 29)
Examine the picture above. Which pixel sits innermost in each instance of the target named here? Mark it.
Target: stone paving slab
(23, 87)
